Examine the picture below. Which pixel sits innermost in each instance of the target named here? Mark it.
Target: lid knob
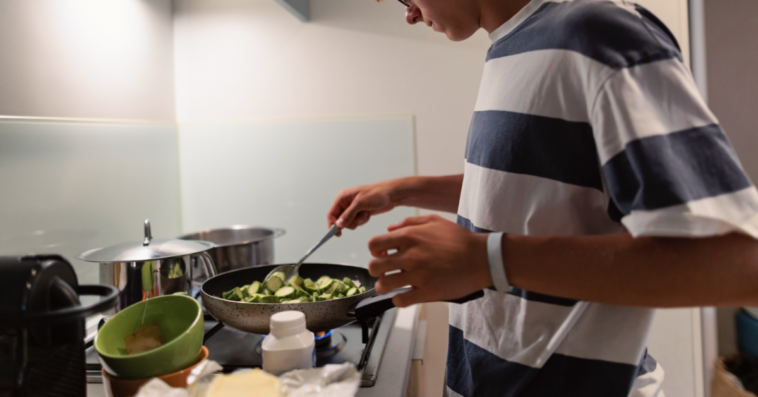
(148, 234)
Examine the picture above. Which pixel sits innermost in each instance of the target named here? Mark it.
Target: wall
(86, 59)
(285, 174)
(674, 13)
(71, 185)
(732, 54)
(243, 60)
(732, 58)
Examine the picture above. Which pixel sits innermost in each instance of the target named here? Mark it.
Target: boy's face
(457, 19)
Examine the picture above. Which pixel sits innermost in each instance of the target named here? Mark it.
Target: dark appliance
(42, 326)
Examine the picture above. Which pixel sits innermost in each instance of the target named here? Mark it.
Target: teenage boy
(617, 191)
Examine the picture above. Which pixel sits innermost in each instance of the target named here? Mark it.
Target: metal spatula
(291, 270)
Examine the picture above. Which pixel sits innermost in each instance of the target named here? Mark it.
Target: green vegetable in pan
(297, 290)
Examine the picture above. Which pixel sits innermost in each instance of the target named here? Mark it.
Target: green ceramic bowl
(180, 319)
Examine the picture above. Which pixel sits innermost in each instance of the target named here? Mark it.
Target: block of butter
(252, 383)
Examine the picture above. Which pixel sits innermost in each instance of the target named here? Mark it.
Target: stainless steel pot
(152, 267)
(238, 247)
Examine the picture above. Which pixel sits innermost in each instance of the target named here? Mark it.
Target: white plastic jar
(289, 345)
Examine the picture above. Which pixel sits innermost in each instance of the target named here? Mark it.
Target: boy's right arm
(354, 207)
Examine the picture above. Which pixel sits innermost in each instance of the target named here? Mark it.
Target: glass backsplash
(286, 174)
(67, 187)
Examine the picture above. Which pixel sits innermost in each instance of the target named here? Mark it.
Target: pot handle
(209, 268)
(208, 265)
(109, 300)
(372, 307)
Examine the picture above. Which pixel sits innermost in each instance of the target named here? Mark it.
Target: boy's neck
(494, 13)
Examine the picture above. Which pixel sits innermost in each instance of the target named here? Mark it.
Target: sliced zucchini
(287, 293)
(343, 288)
(320, 279)
(254, 288)
(325, 285)
(334, 288)
(324, 282)
(347, 281)
(301, 293)
(297, 281)
(296, 290)
(310, 286)
(274, 283)
(269, 299)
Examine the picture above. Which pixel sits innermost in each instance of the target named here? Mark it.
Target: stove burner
(323, 338)
(327, 344)
(330, 344)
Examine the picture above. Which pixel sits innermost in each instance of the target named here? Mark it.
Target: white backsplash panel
(67, 187)
(285, 174)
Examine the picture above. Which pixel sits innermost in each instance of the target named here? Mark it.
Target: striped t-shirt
(587, 122)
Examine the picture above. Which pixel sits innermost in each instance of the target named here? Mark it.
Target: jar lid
(146, 250)
(288, 322)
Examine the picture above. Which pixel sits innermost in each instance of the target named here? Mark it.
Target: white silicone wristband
(495, 258)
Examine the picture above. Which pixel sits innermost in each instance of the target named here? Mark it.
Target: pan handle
(372, 307)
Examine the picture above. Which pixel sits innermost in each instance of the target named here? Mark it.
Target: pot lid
(146, 250)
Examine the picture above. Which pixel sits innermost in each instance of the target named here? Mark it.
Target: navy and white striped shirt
(587, 122)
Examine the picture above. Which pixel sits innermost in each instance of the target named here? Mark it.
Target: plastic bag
(197, 383)
(333, 380)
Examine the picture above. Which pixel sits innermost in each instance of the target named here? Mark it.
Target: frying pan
(319, 316)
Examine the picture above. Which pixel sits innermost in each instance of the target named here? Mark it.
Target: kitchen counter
(392, 379)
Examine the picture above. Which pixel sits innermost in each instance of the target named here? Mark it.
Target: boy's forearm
(649, 272)
(439, 193)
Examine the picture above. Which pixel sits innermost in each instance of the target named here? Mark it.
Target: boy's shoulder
(618, 34)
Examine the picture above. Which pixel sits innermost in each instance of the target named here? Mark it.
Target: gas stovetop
(234, 349)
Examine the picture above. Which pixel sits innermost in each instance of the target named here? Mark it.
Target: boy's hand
(438, 258)
(354, 207)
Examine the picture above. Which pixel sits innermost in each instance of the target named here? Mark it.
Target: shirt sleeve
(667, 165)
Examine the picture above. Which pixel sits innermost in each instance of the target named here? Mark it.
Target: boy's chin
(456, 35)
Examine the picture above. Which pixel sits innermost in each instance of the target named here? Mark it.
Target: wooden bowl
(115, 387)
